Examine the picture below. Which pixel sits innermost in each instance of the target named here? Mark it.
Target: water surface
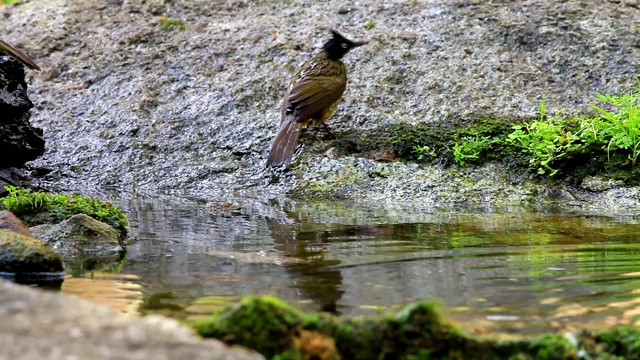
(514, 272)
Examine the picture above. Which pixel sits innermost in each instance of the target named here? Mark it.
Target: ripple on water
(511, 272)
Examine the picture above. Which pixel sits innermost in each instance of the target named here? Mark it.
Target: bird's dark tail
(18, 55)
(285, 142)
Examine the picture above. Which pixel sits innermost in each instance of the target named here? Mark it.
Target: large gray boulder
(128, 103)
(50, 326)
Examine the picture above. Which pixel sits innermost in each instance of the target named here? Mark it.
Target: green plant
(369, 25)
(423, 152)
(619, 130)
(167, 23)
(470, 148)
(57, 207)
(20, 201)
(545, 140)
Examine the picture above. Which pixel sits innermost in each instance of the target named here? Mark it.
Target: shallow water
(513, 272)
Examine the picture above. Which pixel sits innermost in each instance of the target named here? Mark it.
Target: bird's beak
(359, 43)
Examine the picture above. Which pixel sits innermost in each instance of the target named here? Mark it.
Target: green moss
(35, 208)
(552, 347)
(272, 328)
(418, 332)
(606, 144)
(369, 25)
(287, 355)
(168, 23)
(519, 144)
(357, 338)
(622, 341)
(263, 323)
(429, 142)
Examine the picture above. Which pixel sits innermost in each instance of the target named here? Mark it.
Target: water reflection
(512, 272)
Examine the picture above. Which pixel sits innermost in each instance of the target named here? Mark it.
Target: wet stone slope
(124, 102)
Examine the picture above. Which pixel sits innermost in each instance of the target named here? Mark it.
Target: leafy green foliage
(470, 148)
(423, 152)
(544, 141)
(58, 207)
(619, 130)
(604, 144)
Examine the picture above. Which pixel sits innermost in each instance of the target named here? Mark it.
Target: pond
(510, 271)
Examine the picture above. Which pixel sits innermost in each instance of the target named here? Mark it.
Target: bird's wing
(309, 96)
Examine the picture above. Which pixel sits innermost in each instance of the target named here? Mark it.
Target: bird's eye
(344, 45)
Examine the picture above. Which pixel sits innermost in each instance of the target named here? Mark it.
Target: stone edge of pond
(87, 233)
(278, 331)
(38, 324)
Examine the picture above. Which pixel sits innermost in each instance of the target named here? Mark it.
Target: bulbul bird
(18, 55)
(313, 95)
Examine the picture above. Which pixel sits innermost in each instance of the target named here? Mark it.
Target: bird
(18, 55)
(313, 95)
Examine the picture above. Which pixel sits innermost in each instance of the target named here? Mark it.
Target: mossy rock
(36, 208)
(263, 323)
(83, 242)
(281, 332)
(622, 341)
(24, 254)
(552, 347)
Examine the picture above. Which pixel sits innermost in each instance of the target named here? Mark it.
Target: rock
(199, 123)
(9, 176)
(48, 325)
(9, 221)
(597, 183)
(24, 254)
(81, 237)
(17, 137)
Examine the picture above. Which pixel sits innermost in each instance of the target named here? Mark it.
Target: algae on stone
(23, 254)
(35, 208)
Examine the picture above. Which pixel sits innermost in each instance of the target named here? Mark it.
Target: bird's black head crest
(338, 45)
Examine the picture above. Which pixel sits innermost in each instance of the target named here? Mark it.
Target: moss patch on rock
(418, 332)
(24, 254)
(36, 208)
(478, 140)
(265, 324)
(423, 142)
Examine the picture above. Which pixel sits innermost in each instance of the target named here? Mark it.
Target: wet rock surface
(128, 104)
(19, 140)
(25, 254)
(82, 233)
(82, 241)
(9, 221)
(25, 259)
(77, 329)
